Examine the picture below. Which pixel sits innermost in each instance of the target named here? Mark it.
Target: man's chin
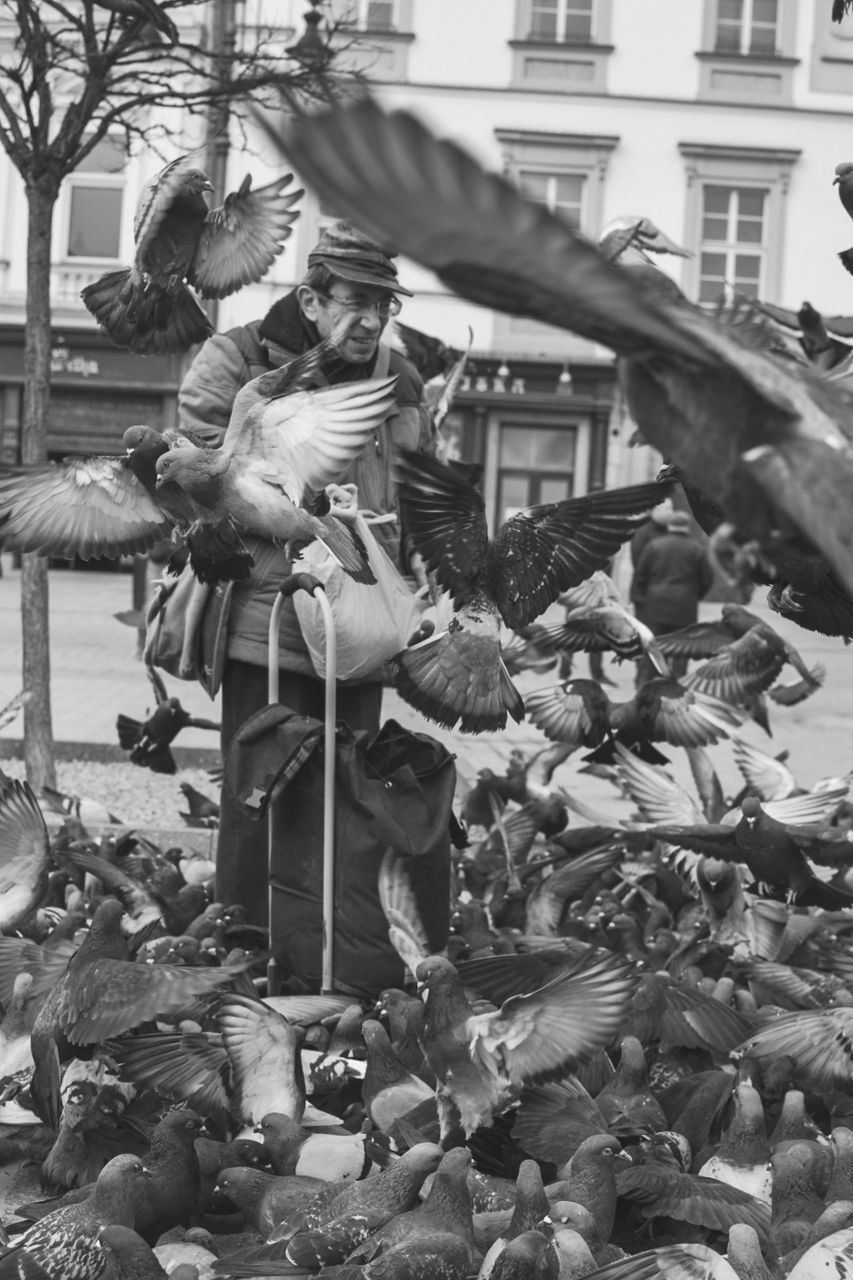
(358, 352)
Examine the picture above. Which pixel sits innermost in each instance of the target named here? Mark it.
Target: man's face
(366, 307)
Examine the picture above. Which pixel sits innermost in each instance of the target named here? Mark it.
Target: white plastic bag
(372, 621)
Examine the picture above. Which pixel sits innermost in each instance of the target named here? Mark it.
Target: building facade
(722, 120)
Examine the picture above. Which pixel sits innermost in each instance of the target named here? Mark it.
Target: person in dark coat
(672, 574)
(348, 274)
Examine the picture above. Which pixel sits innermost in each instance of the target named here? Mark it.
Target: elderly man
(348, 276)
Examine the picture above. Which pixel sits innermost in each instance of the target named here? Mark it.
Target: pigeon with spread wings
(768, 440)
(105, 507)
(482, 1060)
(285, 444)
(457, 674)
(182, 247)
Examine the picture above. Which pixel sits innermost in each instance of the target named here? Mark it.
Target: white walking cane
(306, 582)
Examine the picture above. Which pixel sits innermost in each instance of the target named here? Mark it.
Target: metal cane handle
(300, 582)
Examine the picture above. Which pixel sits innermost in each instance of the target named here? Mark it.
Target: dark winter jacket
(227, 362)
(672, 575)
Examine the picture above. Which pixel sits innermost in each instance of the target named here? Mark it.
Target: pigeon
(765, 439)
(149, 741)
(332, 1157)
(202, 811)
(827, 341)
(775, 852)
(104, 507)
(65, 1245)
(182, 246)
(844, 181)
(481, 1060)
(746, 654)
(279, 452)
(336, 1224)
(579, 712)
(457, 675)
(598, 620)
(102, 993)
(633, 237)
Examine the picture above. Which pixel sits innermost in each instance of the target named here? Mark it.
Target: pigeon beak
(623, 1155)
(836, 180)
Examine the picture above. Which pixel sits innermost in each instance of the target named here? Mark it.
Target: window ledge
(569, 46)
(748, 59)
(378, 33)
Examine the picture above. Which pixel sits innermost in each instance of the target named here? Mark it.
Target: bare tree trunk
(38, 729)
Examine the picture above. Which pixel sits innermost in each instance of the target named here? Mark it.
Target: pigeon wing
(311, 437)
(264, 1051)
(547, 1033)
(24, 852)
(546, 550)
(658, 796)
(688, 718)
(241, 240)
(446, 518)
(111, 996)
(480, 235)
(768, 777)
(820, 1041)
(741, 670)
(570, 712)
(405, 926)
(87, 507)
(190, 1067)
(699, 640)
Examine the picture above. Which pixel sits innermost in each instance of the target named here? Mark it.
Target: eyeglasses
(384, 308)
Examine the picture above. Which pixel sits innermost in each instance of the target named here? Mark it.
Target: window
(565, 172)
(748, 50)
(747, 26)
(735, 211)
(94, 200)
(535, 464)
(561, 21)
(732, 250)
(562, 44)
(374, 37)
(561, 193)
(371, 15)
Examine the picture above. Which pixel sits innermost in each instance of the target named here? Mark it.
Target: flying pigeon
(766, 439)
(182, 246)
(149, 741)
(280, 452)
(457, 674)
(105, 507)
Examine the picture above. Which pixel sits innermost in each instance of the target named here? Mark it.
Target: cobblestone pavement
(96, 673)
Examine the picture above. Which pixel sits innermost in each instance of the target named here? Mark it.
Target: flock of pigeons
(633, 1058)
